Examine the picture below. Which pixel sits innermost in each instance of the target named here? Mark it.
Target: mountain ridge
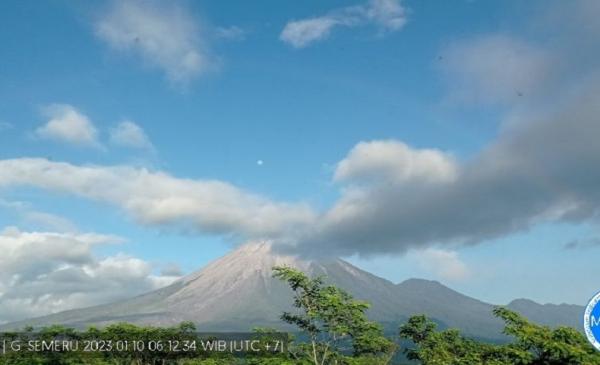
(237, 293)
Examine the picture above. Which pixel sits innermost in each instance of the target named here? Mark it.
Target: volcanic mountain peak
(242, 263)
(237, 293)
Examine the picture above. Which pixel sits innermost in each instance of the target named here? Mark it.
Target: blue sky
(263, 103)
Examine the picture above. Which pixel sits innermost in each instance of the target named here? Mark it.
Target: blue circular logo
(591, 321)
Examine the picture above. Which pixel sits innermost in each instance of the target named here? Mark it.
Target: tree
(334, 322)
(533, 345)
(562, 345)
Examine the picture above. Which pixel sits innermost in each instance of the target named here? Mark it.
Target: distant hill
(237, 293)
(549, 314)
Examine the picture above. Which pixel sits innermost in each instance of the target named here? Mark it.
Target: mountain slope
(549, 314)
(448, 307)
(237, 293)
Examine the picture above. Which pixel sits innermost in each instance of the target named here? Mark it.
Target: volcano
(237, 293)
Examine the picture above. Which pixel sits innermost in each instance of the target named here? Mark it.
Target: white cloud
(388, 15)
(165, 36)
(444, 264)
(543, 167)
(46, 272)
(129, 134)
(394, 198)
(29, 215)
(395, 161)
(376, 166)
(69, 125)
(301, 33)
(496, 68)
(531, 174)
(156, 198)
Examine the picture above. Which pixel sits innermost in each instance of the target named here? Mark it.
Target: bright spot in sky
(260, 162)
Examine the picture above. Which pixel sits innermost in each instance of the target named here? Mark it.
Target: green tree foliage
(533, 345)
(562, 345)
(334, 322)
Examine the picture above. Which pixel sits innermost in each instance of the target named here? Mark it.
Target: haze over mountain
(237, 293)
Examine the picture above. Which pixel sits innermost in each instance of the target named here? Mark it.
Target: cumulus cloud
(129, 134)
(544, 167)
(496, 68)
(67, 124)
(156, 198)
(394, 161)
(164, 36)
(387, 15)
(46, 272)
